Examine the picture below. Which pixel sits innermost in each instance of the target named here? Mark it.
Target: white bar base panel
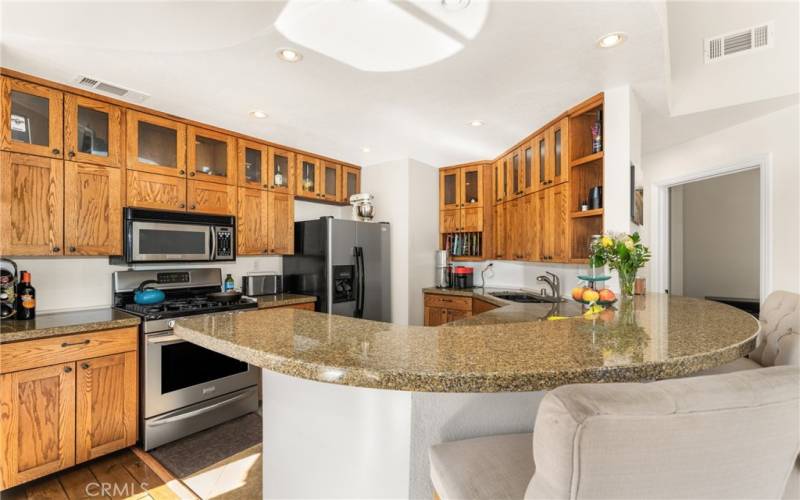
(334, 441)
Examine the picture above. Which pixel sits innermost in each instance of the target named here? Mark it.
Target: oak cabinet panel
(516, 182)
(500, 231)
(330, 177)
(253, 161)
(559, 214)
(31, 119)
(160, 192)
(559, 162)
(280, 177)
(449, 188)
(92, 131)
(471, 186)
(307, 176)
(92, 210)
(280, 223)
(106, 389)
(531, 231)
(528, 168)
(351, 182)
(251, 221)
(210, 197)
(542, 159)
(512, 230)
(500, 186)
(450, 221)
(37, 422)
(435, 316)
(211, 156)
(154, 144)
(31, 202)
(472, 219)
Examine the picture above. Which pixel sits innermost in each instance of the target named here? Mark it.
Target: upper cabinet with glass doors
(307, 176)
(92, 131)
(155, 144)
(211, 156)
(351, 182)
(253, 164)
(330, 180)
(449, 195)
(31, 119)
(280, 173)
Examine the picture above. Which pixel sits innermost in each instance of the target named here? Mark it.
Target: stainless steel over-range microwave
(157, 236)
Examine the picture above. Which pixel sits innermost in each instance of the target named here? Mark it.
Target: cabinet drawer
(448, 301)
(44, 352)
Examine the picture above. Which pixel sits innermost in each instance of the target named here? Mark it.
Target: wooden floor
(129, 473)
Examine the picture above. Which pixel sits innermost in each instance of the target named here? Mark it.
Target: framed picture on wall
(637, 199)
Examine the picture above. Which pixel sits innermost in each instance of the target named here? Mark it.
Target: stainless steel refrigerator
(345, 264)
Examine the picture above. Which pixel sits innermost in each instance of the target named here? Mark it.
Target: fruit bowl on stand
(589, 294)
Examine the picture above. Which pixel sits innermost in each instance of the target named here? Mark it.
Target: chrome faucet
(553, 282)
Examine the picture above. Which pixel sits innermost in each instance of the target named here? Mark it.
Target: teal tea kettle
(148, 295)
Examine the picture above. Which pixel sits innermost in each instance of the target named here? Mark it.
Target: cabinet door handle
(272, 250)
(67, 369)
(72, 249)
(191, 174)
(71, 154)
(266, 186)
(181, 172)
(69, 344)
(192, 207)
(85, 366)
(56, 249)
(182, 205)
(56, 151)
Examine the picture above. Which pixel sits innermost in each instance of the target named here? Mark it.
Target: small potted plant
(624, 253)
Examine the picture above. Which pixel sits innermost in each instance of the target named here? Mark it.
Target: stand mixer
(363, 209)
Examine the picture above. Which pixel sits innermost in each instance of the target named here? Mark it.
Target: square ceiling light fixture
(381, 35)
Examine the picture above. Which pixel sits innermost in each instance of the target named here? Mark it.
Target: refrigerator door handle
(359, 254)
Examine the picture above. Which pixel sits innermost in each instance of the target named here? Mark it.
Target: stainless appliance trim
(177, 416)
(329, 263)
(213, 231)
(137, 225)
(127, 281)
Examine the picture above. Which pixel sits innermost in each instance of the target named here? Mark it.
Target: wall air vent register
(739, 42)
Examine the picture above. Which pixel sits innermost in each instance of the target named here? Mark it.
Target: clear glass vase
(627, 278)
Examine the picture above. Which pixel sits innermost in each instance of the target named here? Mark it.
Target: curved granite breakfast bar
(350, 407)
(508, 349)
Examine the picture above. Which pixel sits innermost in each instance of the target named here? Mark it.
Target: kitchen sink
(523, 297)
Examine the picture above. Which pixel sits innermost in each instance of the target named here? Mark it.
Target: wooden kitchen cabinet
(253, 161)
(210, 197)
(351, 182)
(37, 422)
(450, 221)
(542, 157)
(155, 144)
(516, 182)
(32, 205)
(528, 168)
(559, 152)
(158, 192)
(330, 181)
(461, 199)
(449, 184)
(513, 222)
(280, 223)
(31, 118)
(530, 230)
(92, 131)
(442, 308)
(500, 186)
(307, 176)
(251, 222)
(472, 219)
(66, 399)
(500, 232)
(435, 316)
(92, 209)
(211, 156)
(280, 177)
(552, 209)
(105, 406)
(471, 186)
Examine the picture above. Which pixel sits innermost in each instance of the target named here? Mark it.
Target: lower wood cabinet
(441, 308)
(155, 191)
(65, 400)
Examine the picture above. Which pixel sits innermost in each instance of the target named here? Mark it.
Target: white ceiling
(513, 65)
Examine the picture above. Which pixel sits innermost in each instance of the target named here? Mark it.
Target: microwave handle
(213, 235)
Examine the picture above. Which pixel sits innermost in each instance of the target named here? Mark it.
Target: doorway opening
(714, 234)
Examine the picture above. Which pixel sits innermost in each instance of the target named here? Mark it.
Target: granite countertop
(283, 299)
(647, 338)
(65, 323)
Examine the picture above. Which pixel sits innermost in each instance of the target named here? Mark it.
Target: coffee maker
(442, 278)
(8, 288)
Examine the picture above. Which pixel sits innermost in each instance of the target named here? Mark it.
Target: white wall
(676, 240)
(720, 236)
(423, 235)
(64, 283)
(622, 146)
(774, 137)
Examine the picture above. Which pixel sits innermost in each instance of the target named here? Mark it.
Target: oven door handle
(163, 339)
(199, 411)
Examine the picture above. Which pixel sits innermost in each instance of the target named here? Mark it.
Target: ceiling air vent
(739, 42)
(109, 88)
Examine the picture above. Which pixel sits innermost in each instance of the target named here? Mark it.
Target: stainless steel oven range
(184, 388)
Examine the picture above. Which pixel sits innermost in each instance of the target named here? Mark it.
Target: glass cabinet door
(92, 131)
(252, 164)
(559, 140)
(330, 181)
(542, 161)
(448, 188)
(527, 161)
(281, 166)
(32, 117)
(351, 182)
(472, 186)
(516, 184)
(211, 156)
(307, 176)
(499, 181)
(155, 144)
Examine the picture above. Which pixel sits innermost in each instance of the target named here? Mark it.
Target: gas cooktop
(184, 307)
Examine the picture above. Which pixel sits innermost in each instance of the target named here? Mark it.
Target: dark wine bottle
(26, 297)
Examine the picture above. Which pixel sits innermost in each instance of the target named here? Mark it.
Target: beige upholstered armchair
(734, 435)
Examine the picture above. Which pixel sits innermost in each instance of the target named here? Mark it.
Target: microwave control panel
(224, 243)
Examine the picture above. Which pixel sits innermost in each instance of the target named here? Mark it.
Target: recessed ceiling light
(289, 55)
(455, 4)
(258, 114)
(365, 149)
(476, 123)
(611, 40)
